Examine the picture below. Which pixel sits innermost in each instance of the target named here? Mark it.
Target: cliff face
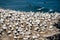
(16, 25)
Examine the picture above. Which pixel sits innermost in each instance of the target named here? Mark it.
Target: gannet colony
(16, 25)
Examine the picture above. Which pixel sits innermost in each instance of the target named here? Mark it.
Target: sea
(31, 5)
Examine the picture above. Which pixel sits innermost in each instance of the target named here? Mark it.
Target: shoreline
(28, 25)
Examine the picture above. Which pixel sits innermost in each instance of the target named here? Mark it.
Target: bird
(40, 8)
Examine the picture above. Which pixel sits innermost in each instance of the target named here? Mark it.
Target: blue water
(31, 5)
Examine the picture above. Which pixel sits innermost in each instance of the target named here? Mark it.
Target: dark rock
(57, 25)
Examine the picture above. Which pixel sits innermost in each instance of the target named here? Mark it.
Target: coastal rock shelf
(16, 25)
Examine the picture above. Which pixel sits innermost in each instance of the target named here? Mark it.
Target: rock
(28, 25)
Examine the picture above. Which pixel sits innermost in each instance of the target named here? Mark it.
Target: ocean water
(31, 5)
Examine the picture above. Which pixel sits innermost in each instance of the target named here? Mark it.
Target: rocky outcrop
(16, 25)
